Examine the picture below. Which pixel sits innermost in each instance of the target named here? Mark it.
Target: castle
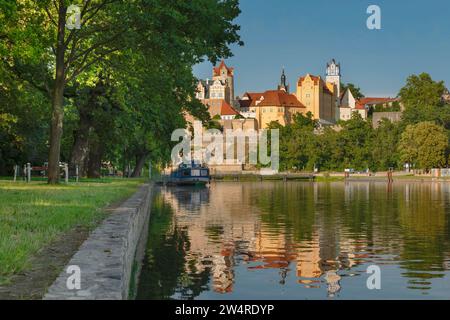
(321, 97)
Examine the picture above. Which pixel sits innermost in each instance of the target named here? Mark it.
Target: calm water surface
(298, 240)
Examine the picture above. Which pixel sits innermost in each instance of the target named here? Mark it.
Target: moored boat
(190, 175)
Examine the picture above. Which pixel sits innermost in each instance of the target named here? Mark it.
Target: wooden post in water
(390, 176)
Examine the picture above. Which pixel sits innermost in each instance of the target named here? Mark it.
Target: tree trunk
(140, 162)
(95, 159)
(57, 100)
(80, 150)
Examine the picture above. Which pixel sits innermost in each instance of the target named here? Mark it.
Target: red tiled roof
(280, 98)
(227, 110)
(371, 100)
(216, 70)
(253, 97)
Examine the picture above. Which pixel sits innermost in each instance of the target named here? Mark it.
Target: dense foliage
(111, 91)
(421, 139)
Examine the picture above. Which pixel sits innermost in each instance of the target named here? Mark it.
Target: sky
(303, 36)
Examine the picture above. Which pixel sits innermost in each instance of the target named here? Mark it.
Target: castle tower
(283, 83)
(226, 76)
(333, 75)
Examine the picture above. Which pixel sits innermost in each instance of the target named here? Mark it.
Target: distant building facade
(373, 102)
(349, 105)
(271, 106)
(377, 117)
(218, 94)
(318, 96)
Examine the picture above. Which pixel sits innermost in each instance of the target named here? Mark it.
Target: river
(298, 240)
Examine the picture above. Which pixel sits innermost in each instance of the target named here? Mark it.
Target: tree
(384, 145)
(37, 47)
(356, 135)
(297, 143)
(421, 91)
(422, 98)
(424, 145)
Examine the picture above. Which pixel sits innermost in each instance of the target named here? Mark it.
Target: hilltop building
(221, 87)
(373, 102)
(218, 93)
(349, 105)
(318, 96)
(322, 97)
(271, 105)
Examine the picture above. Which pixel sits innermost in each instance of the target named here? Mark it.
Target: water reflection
(298, 241)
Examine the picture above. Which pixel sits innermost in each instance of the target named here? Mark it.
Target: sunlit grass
(33, 215)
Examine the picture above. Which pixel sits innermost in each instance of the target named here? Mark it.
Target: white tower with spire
(333, 75)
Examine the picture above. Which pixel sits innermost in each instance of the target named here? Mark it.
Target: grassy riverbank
(33, 215)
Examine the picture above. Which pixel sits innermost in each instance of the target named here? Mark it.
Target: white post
(77, 172)
(16, 168)
(29, 172)
(66, 172)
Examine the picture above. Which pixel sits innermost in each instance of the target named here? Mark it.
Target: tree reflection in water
(227, 240)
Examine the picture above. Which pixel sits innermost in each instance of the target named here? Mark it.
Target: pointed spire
(283, 84)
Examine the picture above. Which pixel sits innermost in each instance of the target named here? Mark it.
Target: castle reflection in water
(318, 232)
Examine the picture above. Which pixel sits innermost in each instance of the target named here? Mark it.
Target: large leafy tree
(424, 145)
(38, 48)
(356, 135)
(422, 99)
(297, 143)
(384, 145)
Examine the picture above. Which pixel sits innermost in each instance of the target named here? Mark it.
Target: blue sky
(303, 35)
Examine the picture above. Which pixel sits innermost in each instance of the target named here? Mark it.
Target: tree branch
(52, 20)
(84, 65)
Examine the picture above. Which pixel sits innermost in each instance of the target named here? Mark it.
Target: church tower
(283, 83)
(333, 75)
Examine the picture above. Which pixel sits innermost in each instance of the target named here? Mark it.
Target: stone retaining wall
(106, 258)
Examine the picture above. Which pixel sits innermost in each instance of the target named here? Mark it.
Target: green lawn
(33, 215)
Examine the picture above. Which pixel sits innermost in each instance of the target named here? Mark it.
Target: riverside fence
(27, 172)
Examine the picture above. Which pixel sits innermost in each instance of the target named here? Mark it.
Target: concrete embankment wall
(106, 258)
